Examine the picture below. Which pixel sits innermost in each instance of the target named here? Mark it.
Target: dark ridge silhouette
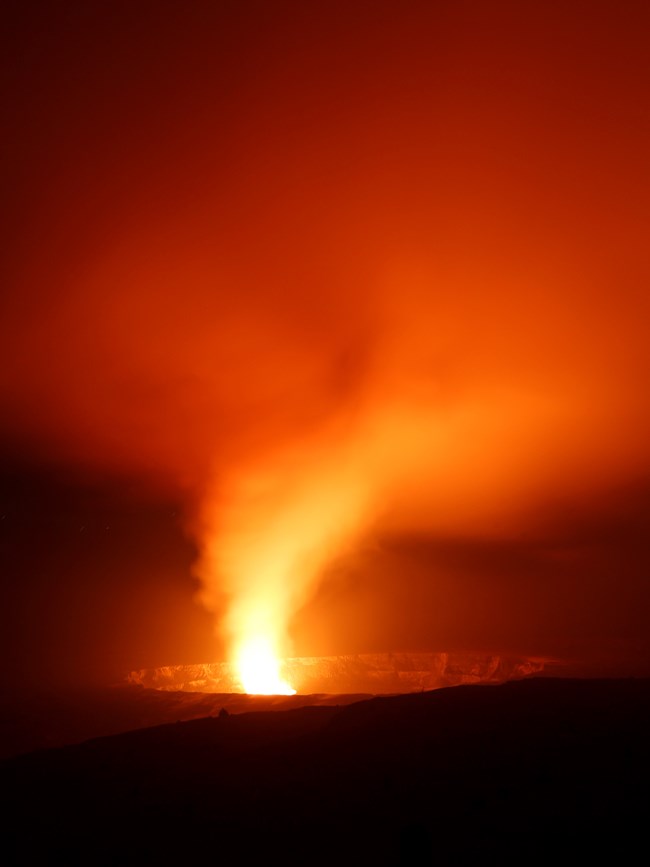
(33, 718)
(36, 720)
(531, 772)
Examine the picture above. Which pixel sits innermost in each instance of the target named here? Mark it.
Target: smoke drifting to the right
(463, 424)
(395, 294)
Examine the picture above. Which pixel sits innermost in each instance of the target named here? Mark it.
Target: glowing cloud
(405, 290)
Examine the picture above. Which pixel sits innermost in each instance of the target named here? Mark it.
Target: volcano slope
(519, 773)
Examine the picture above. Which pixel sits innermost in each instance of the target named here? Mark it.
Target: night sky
(356, 288)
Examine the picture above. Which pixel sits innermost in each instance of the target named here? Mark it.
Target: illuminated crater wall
(374, 673)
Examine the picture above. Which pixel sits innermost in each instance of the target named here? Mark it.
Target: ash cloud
(330, 277)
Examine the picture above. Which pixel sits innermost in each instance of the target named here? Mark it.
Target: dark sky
(326, 317)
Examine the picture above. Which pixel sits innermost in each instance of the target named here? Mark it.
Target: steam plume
(328, 299)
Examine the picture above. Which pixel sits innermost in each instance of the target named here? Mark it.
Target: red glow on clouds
(333, 274)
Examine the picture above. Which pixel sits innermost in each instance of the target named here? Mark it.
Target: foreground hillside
(523, 773)
(33, 719)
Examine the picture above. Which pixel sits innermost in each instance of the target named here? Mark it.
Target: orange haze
(333, 271)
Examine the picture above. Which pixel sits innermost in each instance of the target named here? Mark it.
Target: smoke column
(330, 275)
